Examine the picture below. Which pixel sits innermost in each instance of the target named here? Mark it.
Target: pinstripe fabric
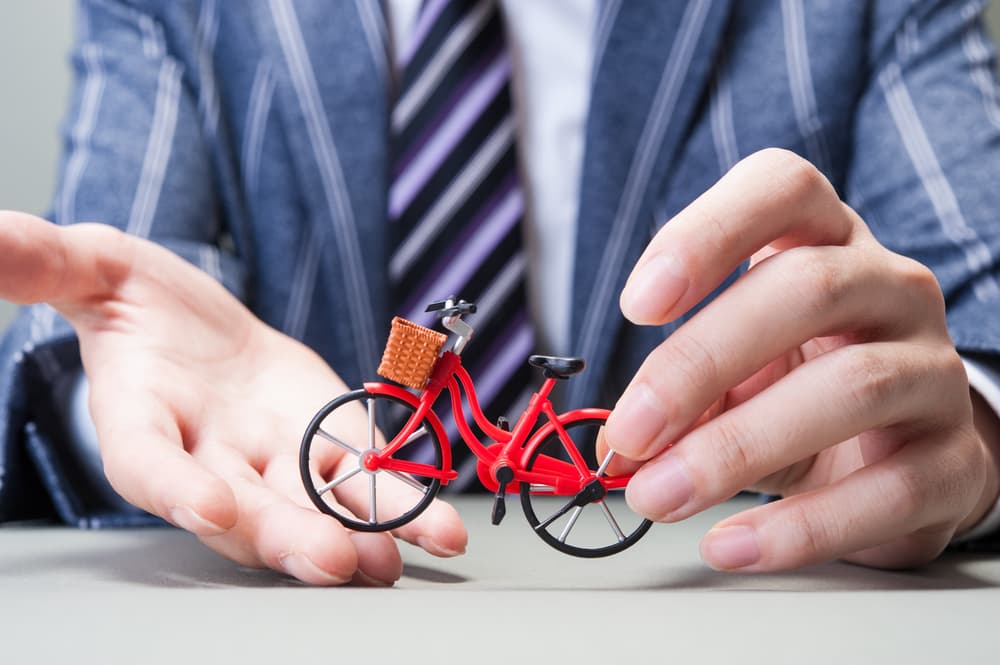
(902, 93)
(92, 90)
(980, 56)
(334, 186)
(721, 111)
(161, 141)
(800, 79)
(918, 147)
(258, 109)
(610, 272)
(376, 32)
(206, 33)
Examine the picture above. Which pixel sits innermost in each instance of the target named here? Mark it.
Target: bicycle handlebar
(451, 306)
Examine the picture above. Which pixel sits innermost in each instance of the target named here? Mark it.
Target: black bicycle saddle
(557, 368)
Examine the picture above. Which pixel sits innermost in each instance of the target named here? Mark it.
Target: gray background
(35, 38)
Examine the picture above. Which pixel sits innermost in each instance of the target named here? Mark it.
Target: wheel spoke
(556, 515)
(419, 432)
(415, 484)
(337, 442)
(611, 520)
(604, 465)
(570, 524)
(336, 481)
(372, 513)
(371, 423)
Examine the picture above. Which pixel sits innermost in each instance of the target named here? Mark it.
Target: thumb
(65, 266)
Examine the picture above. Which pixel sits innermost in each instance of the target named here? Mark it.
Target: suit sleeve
(135, 157)
(926, 158)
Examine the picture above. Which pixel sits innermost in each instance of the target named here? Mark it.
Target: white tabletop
(159, 596)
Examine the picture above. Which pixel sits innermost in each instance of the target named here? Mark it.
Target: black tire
(591, 540)
(348, 503)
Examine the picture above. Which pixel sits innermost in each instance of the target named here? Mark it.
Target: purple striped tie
(456, 203)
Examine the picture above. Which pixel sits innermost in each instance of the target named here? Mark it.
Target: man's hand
(199, 406)
(825, 375)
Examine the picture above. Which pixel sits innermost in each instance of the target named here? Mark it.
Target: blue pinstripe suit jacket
(250, 138)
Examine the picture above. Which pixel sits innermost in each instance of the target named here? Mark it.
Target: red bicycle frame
(511, 448)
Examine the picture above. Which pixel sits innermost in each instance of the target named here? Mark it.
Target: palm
(198, 405)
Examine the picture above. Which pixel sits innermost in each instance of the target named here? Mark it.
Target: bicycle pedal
(503, 476)
(503, 424)
(499, 507)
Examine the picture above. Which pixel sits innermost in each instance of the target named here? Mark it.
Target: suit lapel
(331, 68)
(656, 60)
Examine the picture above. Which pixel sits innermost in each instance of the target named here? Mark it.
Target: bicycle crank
(591, 492)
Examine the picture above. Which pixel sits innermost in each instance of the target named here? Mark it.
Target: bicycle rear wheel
(334, 446)
(584, 525)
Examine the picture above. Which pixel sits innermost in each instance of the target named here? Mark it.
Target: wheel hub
(369, 461)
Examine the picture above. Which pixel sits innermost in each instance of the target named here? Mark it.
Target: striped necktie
(456, 203)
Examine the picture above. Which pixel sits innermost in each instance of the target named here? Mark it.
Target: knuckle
(823, 280)
(797, 178)
(948, 367)
(812, 536)
(731, 454)
(692, 359)
(869, 378)
(113, 259)
(917, 279)
(963, 475)
(908, 491)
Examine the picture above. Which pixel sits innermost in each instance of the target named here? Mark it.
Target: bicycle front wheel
(331, 462)
(595, 525)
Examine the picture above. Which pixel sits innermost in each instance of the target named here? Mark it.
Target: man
(254, 142)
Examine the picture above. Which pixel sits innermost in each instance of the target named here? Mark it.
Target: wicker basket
(410, 353)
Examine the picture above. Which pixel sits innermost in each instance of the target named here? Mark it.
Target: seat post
(546, 387)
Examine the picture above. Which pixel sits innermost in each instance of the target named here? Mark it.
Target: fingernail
(653, 289)
(188, 519)
(636, 421)
(302, 567)
(362, 578)
(730, 547)
(427, 543)
(660, 488)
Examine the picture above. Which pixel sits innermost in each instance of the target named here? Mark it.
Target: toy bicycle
(401, 450)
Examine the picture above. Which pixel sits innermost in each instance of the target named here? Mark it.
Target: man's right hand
(198, 405)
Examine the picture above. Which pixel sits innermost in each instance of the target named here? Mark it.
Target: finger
(801, 294)
(621, 465)
(275, 532)
(61, 265)
(899, 512)
(876, 386)
(771, 197)
(438, 529)
(379, 562)
(145, 462)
